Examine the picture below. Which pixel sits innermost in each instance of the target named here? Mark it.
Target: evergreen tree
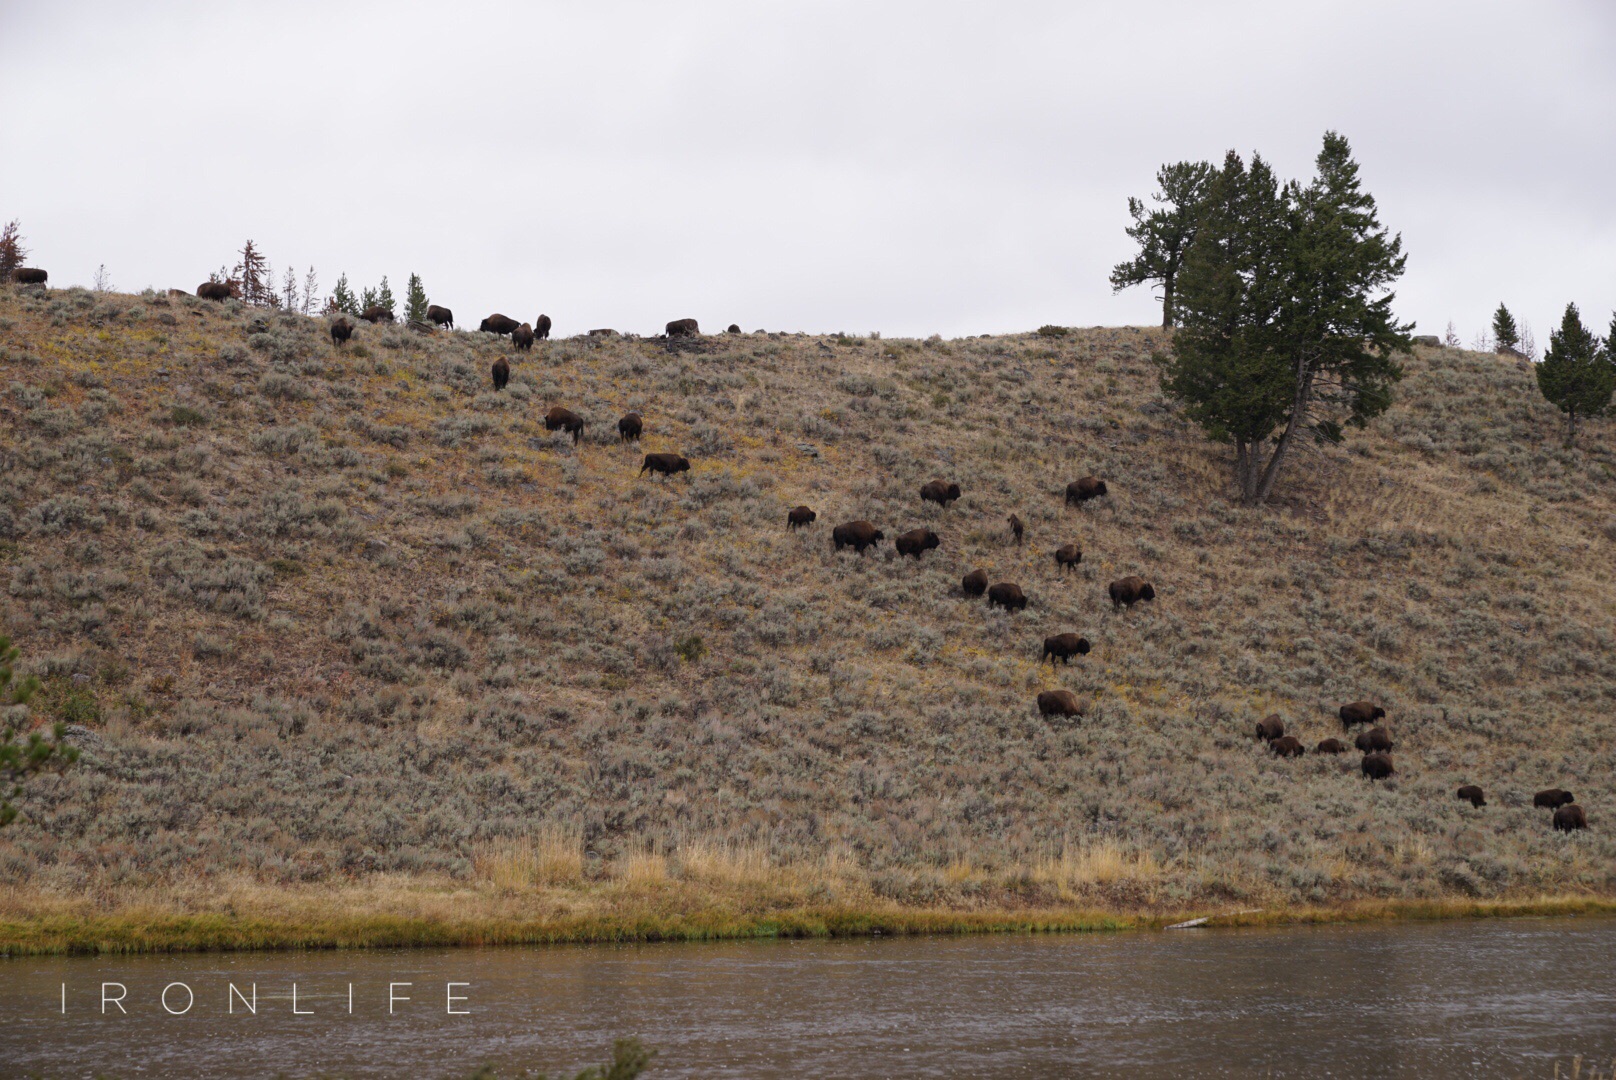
(1165, 233)
(253, 278)
(1505, 335)
(367, 300)
(12, 253)
(415, 301)
(384, 296)
(1576, 374)
(342, 298)
(311, 292)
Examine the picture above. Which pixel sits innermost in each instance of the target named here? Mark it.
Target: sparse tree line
(252, 280)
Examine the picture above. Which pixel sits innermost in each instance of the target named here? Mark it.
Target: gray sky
(903, 167)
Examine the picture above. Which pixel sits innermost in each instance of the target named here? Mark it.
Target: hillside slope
(333, 614)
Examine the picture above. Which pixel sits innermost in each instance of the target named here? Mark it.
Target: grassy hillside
(350, 624)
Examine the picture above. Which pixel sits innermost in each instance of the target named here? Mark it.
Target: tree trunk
(1304, 394)
(1245, 471)
(1571, 428)
(1167, 302)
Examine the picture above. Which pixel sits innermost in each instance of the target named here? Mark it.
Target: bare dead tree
(311, 293)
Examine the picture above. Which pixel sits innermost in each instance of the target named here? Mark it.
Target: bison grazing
(629, 428)
(1570, 818)
(1287, 746)
(975, 583)
(940, 493)
(1067, 556)
(440, 316)
(1472, 794)
(1063, 647)
(799, 516)
(666, 464)
(29, 275)
(1016, 527)
(215, 290)
(734, 328)
(502, 373)
(522, 337)
(541, 327)
(857, 535)
(1375, 739)
(1553, 797)
(1062, 703)
(1377, 766)
(341, 331)
(498, 324)
(1008, 596)
(1081, 491)
(683, 328)
(375, 313)
(916, 542)
(1270, 728)
(1130, 590)
(1360, 712)
(559, 419)
(1330, 746)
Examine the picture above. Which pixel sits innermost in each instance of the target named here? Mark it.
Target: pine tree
(253, 277)
(289, 297)
(342, 298)
(415, 301)
(1505, 335)
(384, 296)
(12, 253)
(311, 292)
(367, 300)
(1165, 233)
(1576, 374)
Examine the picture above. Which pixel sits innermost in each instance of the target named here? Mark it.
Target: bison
(559, 419)
(666, 464)
(1008, 596)
(1130, 590)
(1330, 746)
(1016, 527)
(440, 316)
(1569, 818)
(734, 328)
(29, 275)
(1287, 746)
(541, 327)
(1067, 556)
(1553, 797)
(1063, 647)
(1270, 728)
(916, 542)
(799, 516)
(975, 583)
(939, 492)
(629, 427)
(375, 313)
(522, 337)
(498, 324)
(502, 374)
(1373, 740)
(1061, 703)
(1360, 712)
(1377, 766)
(683, 328)
(215, 290)
(1472, 794)
(857, 535)
(1081, 491)
(341, 331)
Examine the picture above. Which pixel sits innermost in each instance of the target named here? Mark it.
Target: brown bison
(1130, 590)
(498, 324)
(799, 517)
(734, 328)
(440, 316)
(1008, 596)
(1552, 797)
(940, 493)
(1569, 818)
(1472, 794)
(341, 331)
(541, 327)
(857, 535)
(1063, 647)
(1377, 766)
(975, 583)
(1067, 556)
(629, 428)
(666, 464)
(502, 374)
(559, 419)
(29, 275)
(1081, 491)
(1360, 712)
(1330, 746)
(1270, 727)
(683, 328)
(1061, 703)
(1287, 746)
(916, 542)
(522, 337)
(215, 290)
(375, 313)
(1016, 527)
(1373, 740)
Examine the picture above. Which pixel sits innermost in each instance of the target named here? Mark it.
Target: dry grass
(554, 855)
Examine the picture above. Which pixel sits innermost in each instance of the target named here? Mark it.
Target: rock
(375, 549)
(79, 735)
(1430, 341)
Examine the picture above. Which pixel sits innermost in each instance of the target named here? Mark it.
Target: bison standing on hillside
(916, 542)
(1270, 728)
(440, 316)
(341, 331)
(541, 327)
(498, 324)
(975, 583)
(522, 337)
(502, 374)
(1570, 818)
(1330, 746)
(629, 427)
(1287, 746)
(857, 535)
(1016, 527)
(1129, 591)
(799, 517)
(375, 313)
(1063, 647)
(683, 328)
(215, 290)
(559, 419)
(1553, 797)
(1007, 595)
(939, 492)
(1067, 556)
(1374, 739)
(29, 275)
(1377, 766)
(734, 328)
(1062, 703)
(1081, 491)
(665, 464)
(1360, 712)
(1472, 794)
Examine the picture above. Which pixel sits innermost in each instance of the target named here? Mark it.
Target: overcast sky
(904, 167)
